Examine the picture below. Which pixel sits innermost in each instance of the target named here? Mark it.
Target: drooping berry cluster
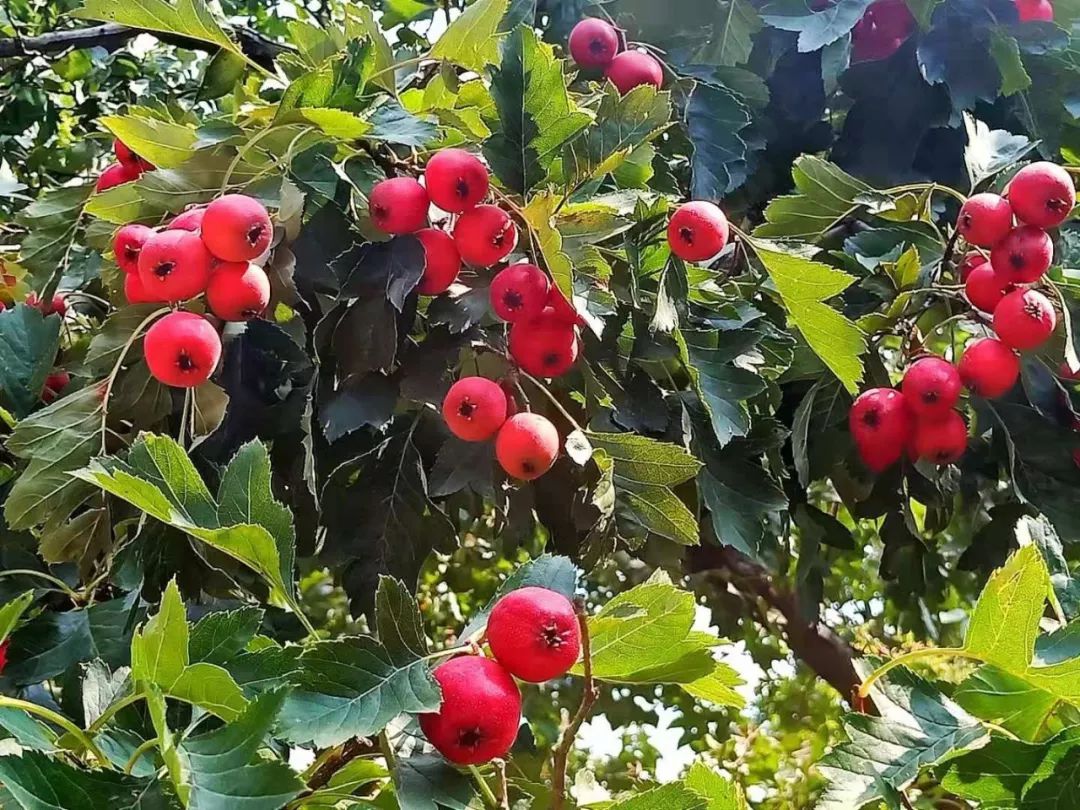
(534, 635)
(595, 44)
(128, 167)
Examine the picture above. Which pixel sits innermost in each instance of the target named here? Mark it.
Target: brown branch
(570, 730)
(350, 750)
(504, 787)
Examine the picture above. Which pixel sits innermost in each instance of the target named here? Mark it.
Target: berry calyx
(1024, 319)
(519, 292)
(480, 713)
(456, 180)
(971, 260)
(190, 220)
(442, 262)
(398, 205)
(182, 349)
(593, 43)
(880, 424)
(238, 291)
(174, 266)
(134, 291)
(534, 633)
(527, 445)
(115, 175)
(1023, 255)
(931, 387)
(943, 440)
(631, 69)
(544, 346)
(474, 409)
(1034, 10)
(984, 289)
(1042, 194)
(989, 368)
(236, 228)
(697, 231)
(985, 219)
(485, 235)
(128, 243)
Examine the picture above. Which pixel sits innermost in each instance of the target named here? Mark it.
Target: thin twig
(558, 405)
(485, 789)
(570, 730)
(504, 787)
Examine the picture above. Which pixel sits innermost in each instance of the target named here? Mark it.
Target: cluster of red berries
(129, 167)
(595, 44)
(534, 635)
(205, 250)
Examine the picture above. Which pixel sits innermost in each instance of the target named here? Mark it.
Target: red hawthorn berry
(134, 291)
(442, 262)
(1067, 373)
(527, 445)
(485, 235)
(236, 228)
(880, 423)
(116, 174)
(1024, 319)
(560, 309)
(474, 409)
(1023, 255)
(1042, 194)
(931, 387)
(4, 648)
(127, 245)
(399, 205)
(593, 43)
(1034, 10)
(535, 634)
(989, 368)
(942, 440)
(519, 292)
(971, 260)
(544, 346)
(190, 220)
(631, 69)
(174, 266)
(456, 180)
(238, 291)
(124, 154)
(883, 28)
(698, 230)
(182, 349)
(56, 306)
(985, 219)
(983, 288)
(55, 384)
(480, 713)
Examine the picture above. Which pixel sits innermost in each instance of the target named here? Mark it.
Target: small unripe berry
(971, 260)
(128, 243)
(527, 446)
(1042, 194)
(631, 69)
(593, 43)
(544, 346)
(519, 292)
(535, 634)
(989, 368)
(174, 266)
(442, 262)
(190, 220)
(456, 180)
(480, 713)
(1024, 319)
(238, 291)
(115, 175)
(942, 440)
(182, 349)
(485, 235)
(134, 291)
(880, 423)
(1023, 255)
(931, 387)
(697, 231)
(474, 409)
(1034, 10)
(985, 219)
(236, 228)
(398, 205)
(984, 289)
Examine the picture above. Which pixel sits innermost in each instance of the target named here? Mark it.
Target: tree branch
(571, 728)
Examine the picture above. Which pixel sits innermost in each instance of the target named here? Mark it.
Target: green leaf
(164, 143)
(623, 124)
(660, 510)
(427, 782)
(28, 344)
(724, 387)
(471, 41)
(557, 574)
(1006, 53)
(540, 214)
(714, 118)
(536, 113)
(733, 36)
(12, 612)
(645, 460)
(37, 782)
(816, 29)
(360, 23)
(1010, 773)
(665, 797)
(399, 622)
(51, 222)
(159, 651)
(722, 794)
(1006, 700)
(217, 637)
(826, 195)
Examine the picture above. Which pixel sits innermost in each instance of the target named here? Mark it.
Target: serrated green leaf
(159, 651)
(12, 612)
(217, 637)
(714, 118)
(51, 222)
(164, 143)
(826, 194)
(37, 782)
(1006, 53)
(816, 28)
(644, 460)
(623, 123)
(1007, 701)
(540, 215)
(660, 510)
(733, 34)
(471, 41)
(399, 622)
(721, 793)
(665, 797)
(725, 388)
(28, 344)
(428, 782)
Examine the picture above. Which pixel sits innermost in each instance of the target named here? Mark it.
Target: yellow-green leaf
(164, 143)
(472, 41)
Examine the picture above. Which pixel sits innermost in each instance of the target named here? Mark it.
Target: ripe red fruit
(535, 634)
(116, 174)
(190, 220)
(697, 231)
(123, 153)
(593, 43)
(880, 423)
(1023, 255)
(456, 180)
(238, 291)
(485, 235)
(474, 409)
(883, 28)
(174, 266)
(442, 262)
(985, 219)
(544, 346)
(56, 306)
(182, 349)
(931, 387)
(970, 261)
(236, 228)
(519, 292)
(1034, 10)
(989, 367)
(134, 291)
(398, 205)
(527, 445)
(941, 440)
(1042, 194)
(984, 289)
(631, 69)
(55, 383)
(480, 713)
(4, 654)
(561, 310)
(1024, 319)
(128, 243)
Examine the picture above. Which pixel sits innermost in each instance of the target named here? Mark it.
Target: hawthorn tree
(256, 518)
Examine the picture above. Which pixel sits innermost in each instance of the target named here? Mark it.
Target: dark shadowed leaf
(28, 344)
(37, 782)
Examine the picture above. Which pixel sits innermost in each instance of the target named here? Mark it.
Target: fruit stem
(111, 379)
(58, 720)
(59, 583)
(137, 754)
(504, 787)
(558, 405)
(485, 789)
(907, 658)
(932, 187)
(570, 730)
